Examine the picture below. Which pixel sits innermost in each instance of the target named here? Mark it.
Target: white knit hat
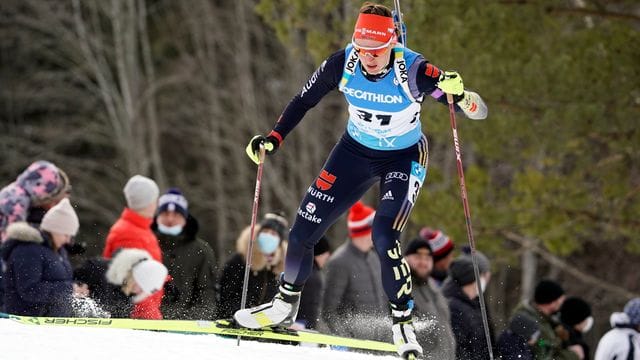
(150, 275)
(61, 219)
(140, 192)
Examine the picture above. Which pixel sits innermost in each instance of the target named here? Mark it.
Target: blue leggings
(349, 172)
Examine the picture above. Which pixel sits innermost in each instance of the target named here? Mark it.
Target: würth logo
(325, 180)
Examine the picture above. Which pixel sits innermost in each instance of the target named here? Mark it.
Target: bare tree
(119, 62)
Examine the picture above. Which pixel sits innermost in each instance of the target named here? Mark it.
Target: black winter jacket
(191, 263)
(108, 296)
(466, 323)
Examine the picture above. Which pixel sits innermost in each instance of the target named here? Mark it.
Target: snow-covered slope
(23, 342)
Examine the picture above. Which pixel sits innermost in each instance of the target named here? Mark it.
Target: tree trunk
(529, 271)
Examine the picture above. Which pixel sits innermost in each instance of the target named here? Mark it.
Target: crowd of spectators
(154, 265)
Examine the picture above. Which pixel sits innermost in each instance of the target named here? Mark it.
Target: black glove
(270, 142)
(76, 248)
(171, 291)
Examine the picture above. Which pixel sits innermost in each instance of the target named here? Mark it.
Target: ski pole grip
(449, 98)
(262, 153)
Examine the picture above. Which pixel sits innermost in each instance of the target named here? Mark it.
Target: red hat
(440, 243)
(360, 219)
(374, 27)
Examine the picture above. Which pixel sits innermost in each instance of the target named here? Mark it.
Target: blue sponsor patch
(418, 171)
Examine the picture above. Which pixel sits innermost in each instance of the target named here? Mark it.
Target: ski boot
(404, 336)
(281, 311)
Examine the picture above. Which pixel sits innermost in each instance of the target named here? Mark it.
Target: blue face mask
(268, 243)
(170, 230)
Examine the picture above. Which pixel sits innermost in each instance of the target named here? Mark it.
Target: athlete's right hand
(270, 143)
(450, 82)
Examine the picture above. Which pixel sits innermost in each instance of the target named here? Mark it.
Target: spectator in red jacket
(133, 230)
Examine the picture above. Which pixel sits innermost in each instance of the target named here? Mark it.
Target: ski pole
(254, 216)
(467, 215)
(399, 23)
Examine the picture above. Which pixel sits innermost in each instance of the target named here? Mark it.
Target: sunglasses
(374, 51)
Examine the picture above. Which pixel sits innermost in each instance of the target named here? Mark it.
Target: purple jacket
(37, 280)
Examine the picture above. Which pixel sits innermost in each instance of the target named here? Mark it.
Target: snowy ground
(25, 342)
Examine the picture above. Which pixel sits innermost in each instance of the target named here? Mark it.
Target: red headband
(374, 27)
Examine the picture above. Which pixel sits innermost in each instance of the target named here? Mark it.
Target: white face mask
(483, 284)
(170, 230)
(268, 243)
(588, 324)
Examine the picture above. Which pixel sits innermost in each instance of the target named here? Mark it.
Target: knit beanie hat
(441, 244)
(150, 275)
(140, 192)
(277, 223)
(360, 219)
(461, 271)
(574, 311)
(524, 326)
(417, 244)
(147, 272)
(322, 246)
(484, 266)
(547, 291)
(173, 200)
(43, 181)
(61, 219)
(632, 309)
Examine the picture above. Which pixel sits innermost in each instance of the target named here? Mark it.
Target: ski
(217, 327)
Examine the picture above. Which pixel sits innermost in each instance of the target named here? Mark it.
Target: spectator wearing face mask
(267, 262)
(484, 267)
(466, 316)
(575, 315)
(190, 294)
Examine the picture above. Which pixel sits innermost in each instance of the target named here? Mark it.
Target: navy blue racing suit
(383, 144)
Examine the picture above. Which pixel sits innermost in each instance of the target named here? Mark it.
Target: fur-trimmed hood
(122, 263)
(258, 260)
(20, 233)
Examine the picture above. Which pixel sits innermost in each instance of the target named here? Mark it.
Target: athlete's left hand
(450, 82)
